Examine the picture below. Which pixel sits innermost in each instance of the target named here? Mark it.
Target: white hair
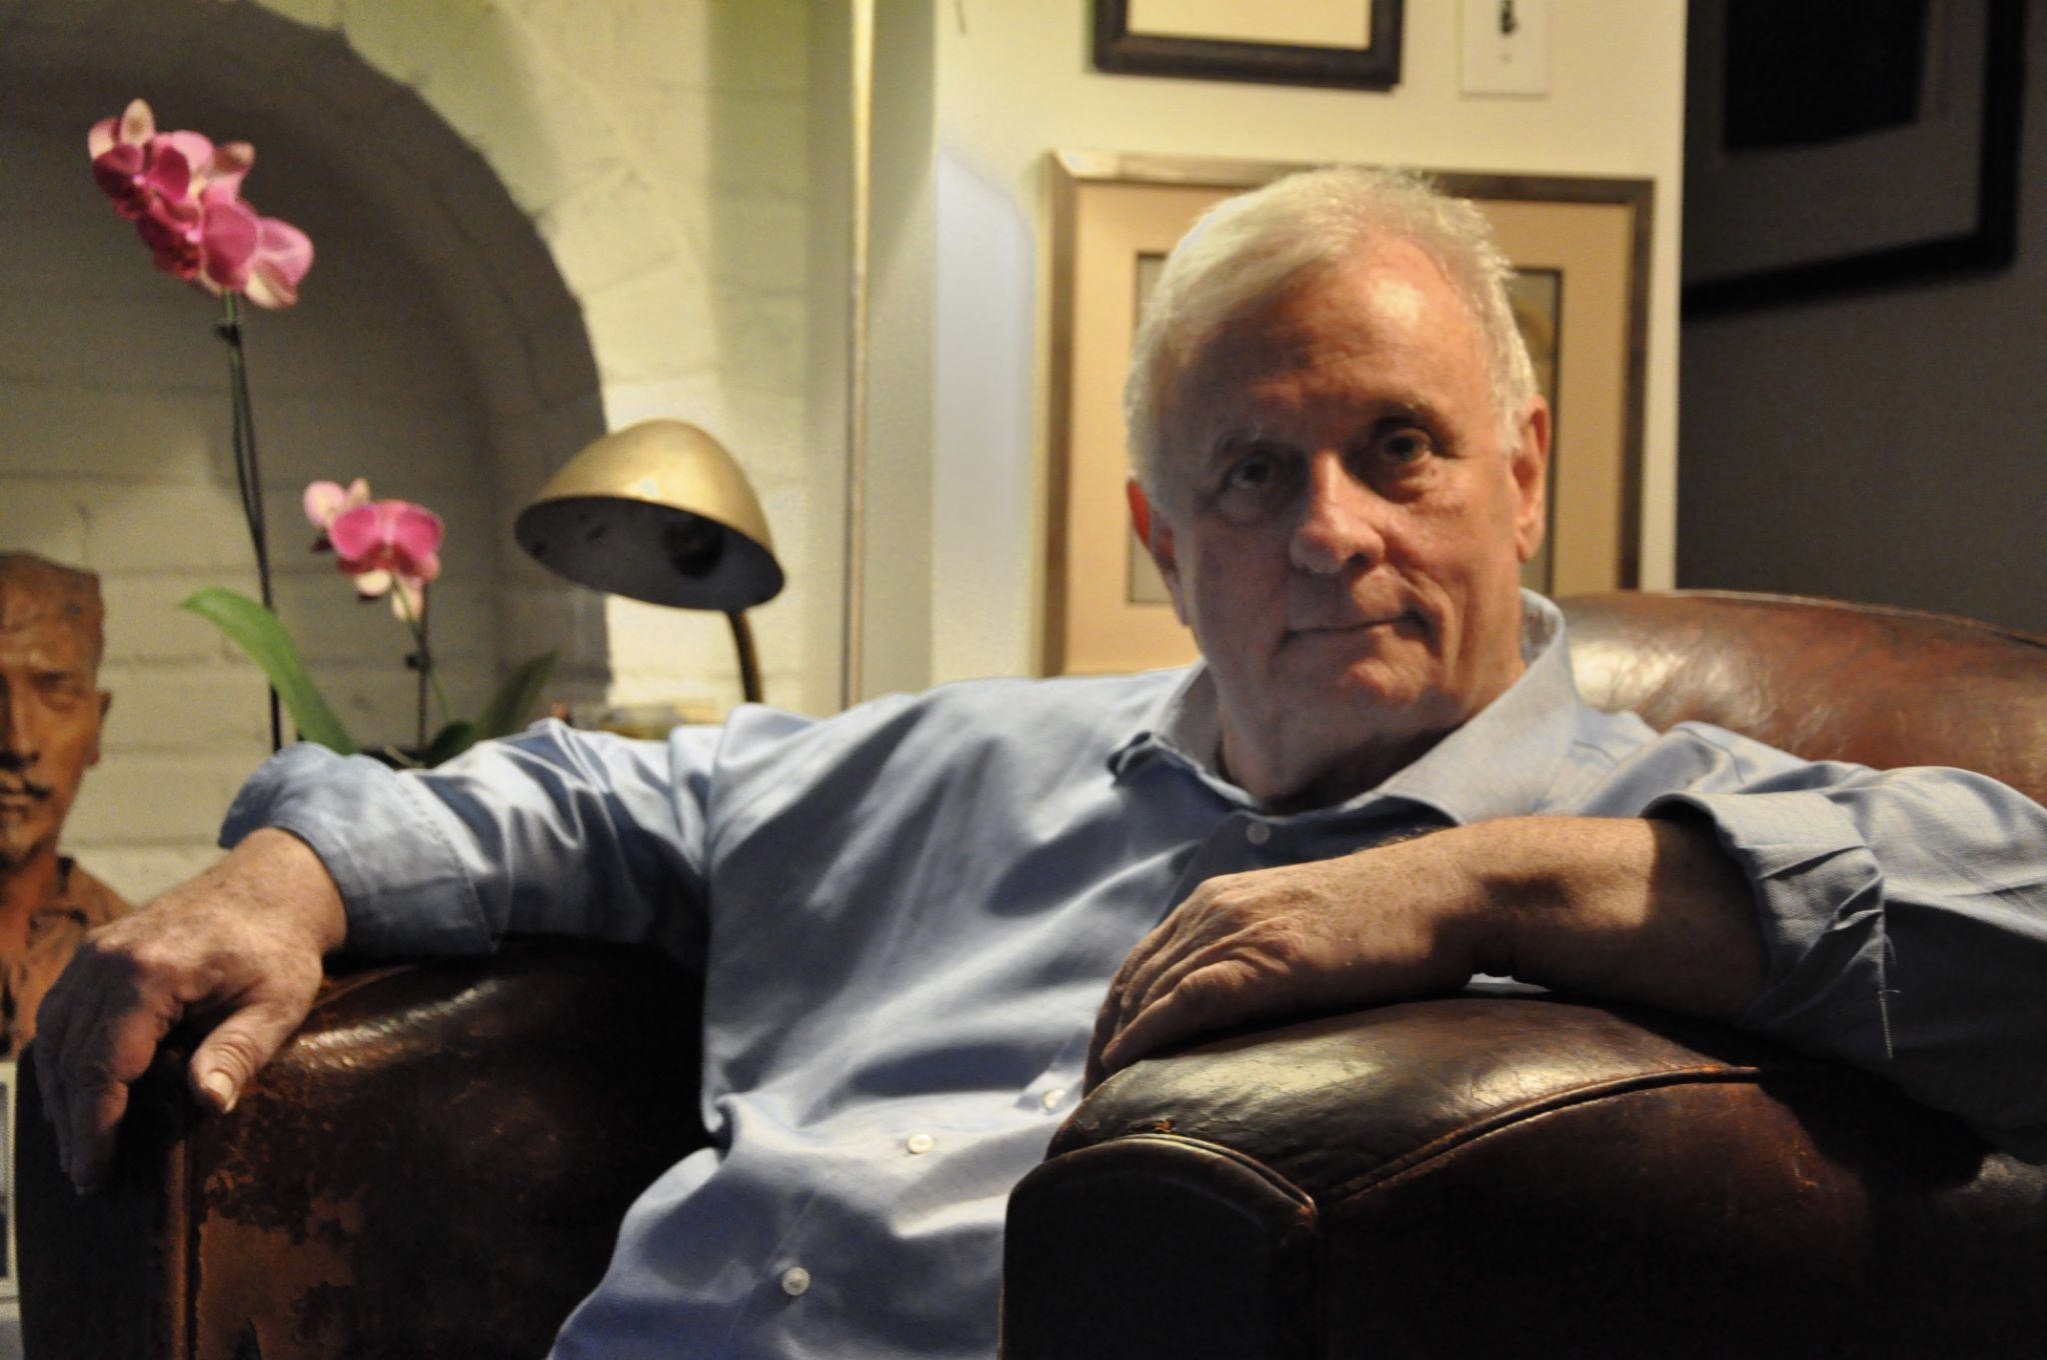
(1248, 250)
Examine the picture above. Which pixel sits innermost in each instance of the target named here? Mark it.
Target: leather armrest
(1491, 1176)
(435, 1165)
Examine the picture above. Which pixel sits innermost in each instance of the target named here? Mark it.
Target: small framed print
(10, 1276)
(1581, 251)
(1354, 44)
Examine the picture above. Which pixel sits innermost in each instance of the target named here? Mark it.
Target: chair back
(1504, 1176)
(1822, 679)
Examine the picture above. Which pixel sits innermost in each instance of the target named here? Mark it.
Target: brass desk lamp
(659, 512)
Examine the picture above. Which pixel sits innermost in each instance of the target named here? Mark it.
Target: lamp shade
(658, 512)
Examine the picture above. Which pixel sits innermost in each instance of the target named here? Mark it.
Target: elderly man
(907, 914)
(50, 714)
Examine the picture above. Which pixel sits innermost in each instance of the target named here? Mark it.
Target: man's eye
(1254, 485)
(61, 690)
(1404, 448)
(1251, 474)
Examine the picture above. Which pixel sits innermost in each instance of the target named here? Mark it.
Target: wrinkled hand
(1620, 908)
(1398, 921)
(242, 943)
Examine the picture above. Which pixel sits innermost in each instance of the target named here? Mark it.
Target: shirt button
(1258, 833)
(919, 1143)
(795, 1281)
(1052, 1097)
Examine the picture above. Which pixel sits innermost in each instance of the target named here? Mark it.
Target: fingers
(104, 1040)
(91, 1113)
(1107, 1022)
(1207, 997)
(229, 1058)
(244, 941)
(1272, 943)
(1189, 939)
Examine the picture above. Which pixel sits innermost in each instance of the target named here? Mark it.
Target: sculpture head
(50, 704)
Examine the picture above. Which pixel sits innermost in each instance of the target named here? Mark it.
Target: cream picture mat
(1112, 212)
(1306, 23)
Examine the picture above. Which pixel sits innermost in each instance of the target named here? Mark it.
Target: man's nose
(1339, 523)
(17, 740)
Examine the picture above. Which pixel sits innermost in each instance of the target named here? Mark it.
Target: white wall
(660, 151)
(1014, 80)
(114, 456)
(448, 352)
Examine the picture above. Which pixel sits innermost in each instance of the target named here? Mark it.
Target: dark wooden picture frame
(1372, 65)
(1935, 197)
(10, 1268)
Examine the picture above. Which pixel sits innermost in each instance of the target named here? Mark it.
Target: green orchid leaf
(449, 742)
(513, 706)
(262, 637)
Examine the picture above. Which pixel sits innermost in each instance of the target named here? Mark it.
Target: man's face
(49, 732)
(1345, 530)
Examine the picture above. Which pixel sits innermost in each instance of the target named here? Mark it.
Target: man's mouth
(21, 797)
(1361, 623)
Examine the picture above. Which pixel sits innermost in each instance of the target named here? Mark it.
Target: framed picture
(1350, 43)
(1837, 145)
(10, 1277)
(1582, 250)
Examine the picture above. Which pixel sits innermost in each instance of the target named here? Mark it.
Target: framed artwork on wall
(10, 1274)
(1354, 44)
(1833, 146)
(1581, 249)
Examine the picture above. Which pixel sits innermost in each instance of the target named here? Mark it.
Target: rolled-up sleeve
(553, 831)
(1905, 917)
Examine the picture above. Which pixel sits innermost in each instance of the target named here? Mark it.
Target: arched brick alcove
(436, 350)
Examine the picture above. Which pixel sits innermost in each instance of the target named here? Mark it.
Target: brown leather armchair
(436, 1164)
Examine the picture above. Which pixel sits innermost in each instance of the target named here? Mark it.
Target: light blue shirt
(908, 913)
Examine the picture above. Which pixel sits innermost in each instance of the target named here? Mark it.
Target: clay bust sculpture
(50, 714)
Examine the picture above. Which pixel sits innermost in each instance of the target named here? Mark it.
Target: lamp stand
(749, 666)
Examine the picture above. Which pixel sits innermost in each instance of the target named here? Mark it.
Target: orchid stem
(428, 675)
(247, 475)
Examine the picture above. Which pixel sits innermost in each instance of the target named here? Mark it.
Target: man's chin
(1377, 668)
(20, 843)
(1378, 698)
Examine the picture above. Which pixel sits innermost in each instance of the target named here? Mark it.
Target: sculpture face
(50, 708)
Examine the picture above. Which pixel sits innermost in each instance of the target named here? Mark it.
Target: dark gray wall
(1890, 447)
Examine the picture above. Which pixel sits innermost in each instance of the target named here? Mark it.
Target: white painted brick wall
(114, 455)
(657, 147)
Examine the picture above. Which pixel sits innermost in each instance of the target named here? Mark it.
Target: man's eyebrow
(1414, 410)
(1370, 417)
(1235, 440)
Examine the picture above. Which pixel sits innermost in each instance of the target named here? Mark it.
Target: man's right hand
(239, 946)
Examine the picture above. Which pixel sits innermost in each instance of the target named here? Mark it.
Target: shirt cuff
(379, 834)
(1819, 903)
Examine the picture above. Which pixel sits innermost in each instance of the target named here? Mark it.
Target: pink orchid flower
(386, 545)
(136, 166)
(325, 500)
(262, 258)
(184, 195)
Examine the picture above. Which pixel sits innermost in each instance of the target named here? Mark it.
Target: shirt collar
(1498, 764)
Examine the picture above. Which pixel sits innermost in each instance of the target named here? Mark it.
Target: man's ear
(1155, 532)
(1530, 466)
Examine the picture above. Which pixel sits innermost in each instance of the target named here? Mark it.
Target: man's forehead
(47, 607)
(47, 643)
(1397, 335)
